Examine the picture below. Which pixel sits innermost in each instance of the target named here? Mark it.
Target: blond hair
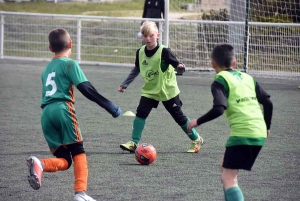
(148, 27)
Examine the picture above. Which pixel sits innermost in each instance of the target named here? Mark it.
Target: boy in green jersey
(240, 96)
(156, 64)
(59, 122)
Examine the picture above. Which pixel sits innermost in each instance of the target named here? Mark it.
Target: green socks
(139, 124)
(192, 135)
(137, 129)
(234, 194)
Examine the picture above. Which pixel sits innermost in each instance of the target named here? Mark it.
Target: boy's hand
(268, 133)
(192, 124)
(121, 89)
(181, 65)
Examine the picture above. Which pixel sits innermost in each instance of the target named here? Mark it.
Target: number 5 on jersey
(52, 83)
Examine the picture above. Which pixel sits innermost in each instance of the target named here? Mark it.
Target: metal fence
(273, 47)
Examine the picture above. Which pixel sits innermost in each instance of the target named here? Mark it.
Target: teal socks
(139, 124)
(193, 135)
(137, 129)
(234, 194)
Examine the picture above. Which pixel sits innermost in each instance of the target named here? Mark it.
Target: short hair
(58, 39)
(148, 27)
(223, 55)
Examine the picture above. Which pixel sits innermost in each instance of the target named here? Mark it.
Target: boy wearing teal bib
(156, 64)
(240, 96)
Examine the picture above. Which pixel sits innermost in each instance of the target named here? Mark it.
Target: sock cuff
(232, 189)
(80, 157)
(139, 119)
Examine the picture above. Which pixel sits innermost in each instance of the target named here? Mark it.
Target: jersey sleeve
(75, 73)
(219, 94)
(261, 94)
(133, 73)
(168, 58)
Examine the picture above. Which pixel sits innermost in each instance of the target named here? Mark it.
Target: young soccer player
(58, 118)
(240, 96)
(156, 64)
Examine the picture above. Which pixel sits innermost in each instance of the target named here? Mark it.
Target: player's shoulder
(219, 78)
(249, 76)
(166, 50)
(165, 47)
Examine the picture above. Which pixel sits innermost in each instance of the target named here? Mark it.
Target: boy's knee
(69, 160)
(76, 148)
(64, 153)
(228, 181)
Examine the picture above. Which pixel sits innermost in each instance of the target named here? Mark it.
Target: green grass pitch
(115, 175)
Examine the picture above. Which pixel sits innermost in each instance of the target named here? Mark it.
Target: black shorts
(173, 106)
(240, 157)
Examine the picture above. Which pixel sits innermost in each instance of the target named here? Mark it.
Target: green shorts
(60, 125)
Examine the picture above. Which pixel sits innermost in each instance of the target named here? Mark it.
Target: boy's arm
(89, 91)
(264, 98)
(132, 75)
(170, 59)
(78, 78)
(219, 104)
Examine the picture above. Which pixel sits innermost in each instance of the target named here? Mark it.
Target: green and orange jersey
(59, 78)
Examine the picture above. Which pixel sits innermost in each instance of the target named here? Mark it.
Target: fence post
(236, 31)
(160, 28)
(166, 16)
(1, 36)
(246, 36)
(78, 55)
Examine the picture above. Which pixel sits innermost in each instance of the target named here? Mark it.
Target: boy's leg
(173, 106)
(38, 166)
(221, 170)
(53, 137)
(229, 166)
(235, 158)
(193, 135)
(80, 171)
(35, 168)
(62, 162)
(143, 110)
(137, 129)
(231, 189)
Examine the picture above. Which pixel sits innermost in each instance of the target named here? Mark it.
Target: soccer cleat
(80, 197)
(196, 145)
(129, 146)
(35, 168)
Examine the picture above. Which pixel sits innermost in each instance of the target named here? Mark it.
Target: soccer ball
(145, 154)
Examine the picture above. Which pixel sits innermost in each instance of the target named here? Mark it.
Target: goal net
(268, 43)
